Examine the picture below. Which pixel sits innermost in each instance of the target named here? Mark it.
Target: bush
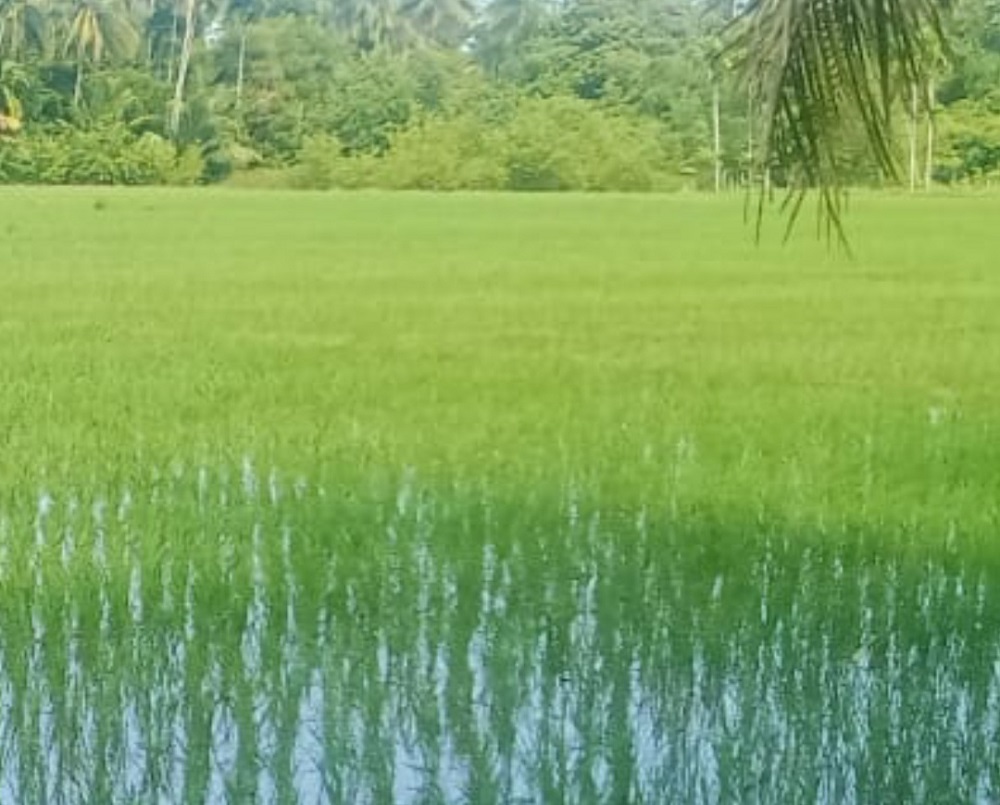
(323, 165)
(106, 155)
(535, 144)
(968, 144)
(545, 145)
(568, 144)
(445, 154)
(317, 163)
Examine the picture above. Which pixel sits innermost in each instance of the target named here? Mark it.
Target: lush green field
(642, 347)
(484, 499)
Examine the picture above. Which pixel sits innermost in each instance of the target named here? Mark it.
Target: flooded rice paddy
(242, 636)
(689, 520)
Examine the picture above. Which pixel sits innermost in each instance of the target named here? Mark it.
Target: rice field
(331, 498)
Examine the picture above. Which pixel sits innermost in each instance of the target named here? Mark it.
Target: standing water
(217, 637)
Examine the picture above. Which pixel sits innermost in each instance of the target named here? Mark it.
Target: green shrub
(108, 154)
(323, 165)
(545, 145)
(316, 167)
(445, 154)
(969, 144)
(542, 145)
(190, 168)
(568, 144)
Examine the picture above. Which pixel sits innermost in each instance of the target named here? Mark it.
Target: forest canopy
(438, 94)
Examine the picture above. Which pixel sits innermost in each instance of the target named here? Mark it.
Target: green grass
(642, 348)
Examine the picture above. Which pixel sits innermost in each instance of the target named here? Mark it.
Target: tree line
(441, 94)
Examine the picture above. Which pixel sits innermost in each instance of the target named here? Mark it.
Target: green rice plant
(480, 498)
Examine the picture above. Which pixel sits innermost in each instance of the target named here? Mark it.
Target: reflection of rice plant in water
(292, 649)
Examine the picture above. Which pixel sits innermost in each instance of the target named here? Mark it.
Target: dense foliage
(442, 94)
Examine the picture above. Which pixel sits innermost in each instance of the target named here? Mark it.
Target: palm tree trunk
(929, 156)
(240, 66)
(717, 136)
(913, 137)
(173, 50)
(78, 84)
(182, 67)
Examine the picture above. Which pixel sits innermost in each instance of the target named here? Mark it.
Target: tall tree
(372, 24)
(243, 13)
(443, 22)
(97, 30)
(162, 29)
(502, 26)
(191, 8)
(22, 29)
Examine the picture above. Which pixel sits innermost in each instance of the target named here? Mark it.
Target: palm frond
(814, 65)
(96, 28)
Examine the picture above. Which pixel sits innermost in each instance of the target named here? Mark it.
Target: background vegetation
(514, 94)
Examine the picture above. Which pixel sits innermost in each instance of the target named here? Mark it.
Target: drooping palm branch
(815, 67)
(22, 28)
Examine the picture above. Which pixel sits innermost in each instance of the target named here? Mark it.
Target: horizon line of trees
(445, 94)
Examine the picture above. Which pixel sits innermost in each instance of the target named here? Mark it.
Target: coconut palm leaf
(372, 24)
(446, 22)
(817, 66)
(98, 29)
(22, 28)
(502, 25)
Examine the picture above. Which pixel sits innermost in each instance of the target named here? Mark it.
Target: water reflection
(214, 637)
